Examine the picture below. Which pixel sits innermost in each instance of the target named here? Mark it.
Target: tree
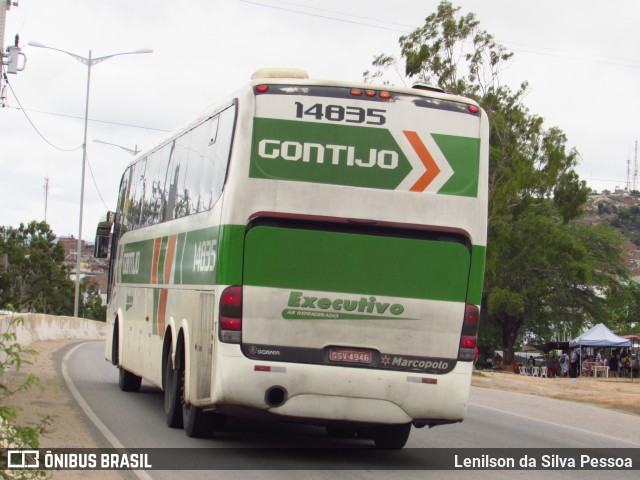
(35, 278)
(92, 307)
(544, 273)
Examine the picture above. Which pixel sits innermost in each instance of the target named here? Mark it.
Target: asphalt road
(495, 419)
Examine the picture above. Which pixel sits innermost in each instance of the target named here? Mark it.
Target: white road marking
(111, 438)
(560, 425)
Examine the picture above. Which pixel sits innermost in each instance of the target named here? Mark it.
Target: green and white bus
(305, 250)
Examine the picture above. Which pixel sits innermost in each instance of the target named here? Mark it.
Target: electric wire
(120, 124)
(343, 13)
(573, 55)
(95, 184)
(33, 124)
(353, 22)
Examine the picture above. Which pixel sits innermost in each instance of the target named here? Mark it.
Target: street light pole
(89, 62)
(133, 151)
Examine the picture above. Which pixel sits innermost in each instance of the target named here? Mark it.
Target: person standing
(575, 364)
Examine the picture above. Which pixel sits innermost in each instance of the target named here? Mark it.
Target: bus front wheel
(129, 382)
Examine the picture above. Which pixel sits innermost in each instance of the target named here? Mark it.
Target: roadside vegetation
(547, 274)
(34, 277)
(13, 434)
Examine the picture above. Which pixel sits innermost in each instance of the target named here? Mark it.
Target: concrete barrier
(37, 327)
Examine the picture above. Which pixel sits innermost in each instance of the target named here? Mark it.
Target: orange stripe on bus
(432, 169)
(157, 243)
(162, 311)
(168, 261)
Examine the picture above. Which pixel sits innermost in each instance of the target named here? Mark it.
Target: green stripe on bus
(230, 252)
(198, 254)
(356, 156)
(156, 303)
(136, 261)
(463, 154)
(161, 260)
(180, 246)
(476, 274)
(359, 264)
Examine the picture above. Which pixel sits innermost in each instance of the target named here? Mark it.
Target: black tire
(197, 422)
(391, 436)
(129, 382)
(173, 395)
(115, 347)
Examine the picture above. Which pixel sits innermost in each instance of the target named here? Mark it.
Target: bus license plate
(349, 356)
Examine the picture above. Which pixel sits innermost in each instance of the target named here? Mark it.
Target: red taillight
(469, 333)
(262, 88)
(473, 109)
(471, 320)
(467, 341)
(370, 93)
(233, 324)
(230, 319)
(356, 91)
(385, 95)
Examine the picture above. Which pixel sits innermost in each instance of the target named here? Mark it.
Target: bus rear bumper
(341, 394)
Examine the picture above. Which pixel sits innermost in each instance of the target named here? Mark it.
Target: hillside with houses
(621, 210)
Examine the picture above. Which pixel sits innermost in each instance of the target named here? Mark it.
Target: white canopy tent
(600, 336)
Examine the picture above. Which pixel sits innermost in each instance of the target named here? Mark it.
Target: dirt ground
(616, 393)
(50, 399)
(69, 428)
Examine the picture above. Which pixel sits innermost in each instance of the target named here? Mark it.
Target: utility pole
(635, 172)
(4, 6)
(627, 185)
(46, 197)
(10, 59)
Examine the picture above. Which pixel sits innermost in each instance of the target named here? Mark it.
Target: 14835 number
(338, 113)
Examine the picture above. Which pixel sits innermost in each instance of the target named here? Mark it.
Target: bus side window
(223, 149)
(123, 197)
(201, 175)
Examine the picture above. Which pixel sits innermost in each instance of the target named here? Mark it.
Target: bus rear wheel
(173, 382)
(391, 436)
(197, 422)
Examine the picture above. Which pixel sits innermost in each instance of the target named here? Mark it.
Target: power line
(574, 55)
(325, 16)
(91, 119)
(343, 14)
(32, 124)
(95, 184)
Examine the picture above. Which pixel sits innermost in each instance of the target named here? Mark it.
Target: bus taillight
(469, 334)
(230, 322)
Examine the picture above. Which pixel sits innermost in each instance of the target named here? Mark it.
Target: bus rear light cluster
(230, 319)
(358, 92)
(469, 334)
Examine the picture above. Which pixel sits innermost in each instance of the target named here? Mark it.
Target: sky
(581, 59)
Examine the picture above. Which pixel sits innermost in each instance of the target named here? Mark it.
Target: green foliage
(13, 434)
(623, 306)
(35, 278)
(624, 219)
(92, 307)
(545, 274)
